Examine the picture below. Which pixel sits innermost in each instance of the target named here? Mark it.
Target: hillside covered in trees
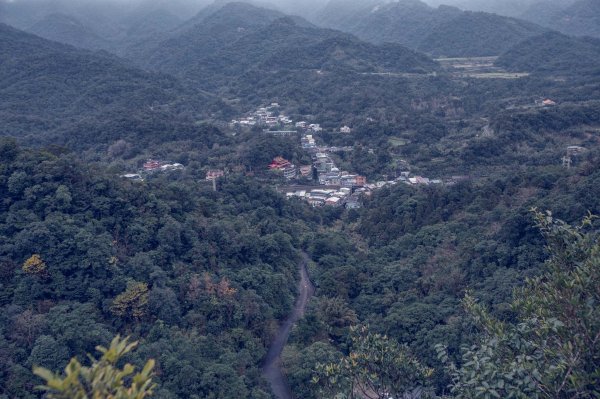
(138, 199)
(202, 278)
(443, 31)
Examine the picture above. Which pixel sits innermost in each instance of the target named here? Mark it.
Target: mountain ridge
(240, 37)
(444, 30)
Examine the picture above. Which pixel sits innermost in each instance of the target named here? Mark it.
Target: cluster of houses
(308, 142)
(152, 166)
(330, 175)
(312, 127)
(409, 179)
(264, 116)
(343, 196)
(271, 118)
(348, 190)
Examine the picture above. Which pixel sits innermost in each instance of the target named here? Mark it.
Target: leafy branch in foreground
(554, 349)
(103, 379)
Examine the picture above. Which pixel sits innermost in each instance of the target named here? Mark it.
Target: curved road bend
(272, 363)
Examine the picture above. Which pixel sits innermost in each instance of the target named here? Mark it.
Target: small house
(214, 174)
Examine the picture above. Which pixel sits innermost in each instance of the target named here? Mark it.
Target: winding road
(272, 362)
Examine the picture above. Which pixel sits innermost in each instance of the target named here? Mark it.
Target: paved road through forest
(272, 363)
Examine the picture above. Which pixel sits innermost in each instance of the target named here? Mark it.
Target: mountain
(404, 22)
(582, 19)
(554, 53)
(239, 38)
(67, 29)
(101, 17)
(202, 36)
(52, 91)
(477, 34)
(438, 31)
(579, 18)
(285, 45)
(91, 25)
(543, 12)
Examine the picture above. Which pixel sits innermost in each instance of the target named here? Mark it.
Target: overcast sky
(300, 7)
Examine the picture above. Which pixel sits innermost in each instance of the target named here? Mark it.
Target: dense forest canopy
(140, 197)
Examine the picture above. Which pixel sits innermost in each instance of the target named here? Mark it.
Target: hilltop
(579, 18)
(437, 31)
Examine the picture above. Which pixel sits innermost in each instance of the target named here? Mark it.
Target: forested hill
(404, 22)
(477, 34)
(581, 18)
(203, 35)
(56, 93)
(439, 31)
(239, 38)
(200, 277)
(554, 53)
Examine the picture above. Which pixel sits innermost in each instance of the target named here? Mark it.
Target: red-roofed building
(283, 165)
(152, 165)
(214, 174)
(279, 163)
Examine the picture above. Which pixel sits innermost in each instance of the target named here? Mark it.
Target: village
(321, 182)
(150, 167)
(336, 187)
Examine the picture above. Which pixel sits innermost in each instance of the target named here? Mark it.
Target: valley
(174, 172)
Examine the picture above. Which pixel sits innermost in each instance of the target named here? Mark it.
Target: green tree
(49, 352)
(336, 315)
(553, 351)
(377, 367)
(299, 366)
(103, 379)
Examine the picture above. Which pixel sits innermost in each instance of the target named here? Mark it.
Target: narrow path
(272, 363)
